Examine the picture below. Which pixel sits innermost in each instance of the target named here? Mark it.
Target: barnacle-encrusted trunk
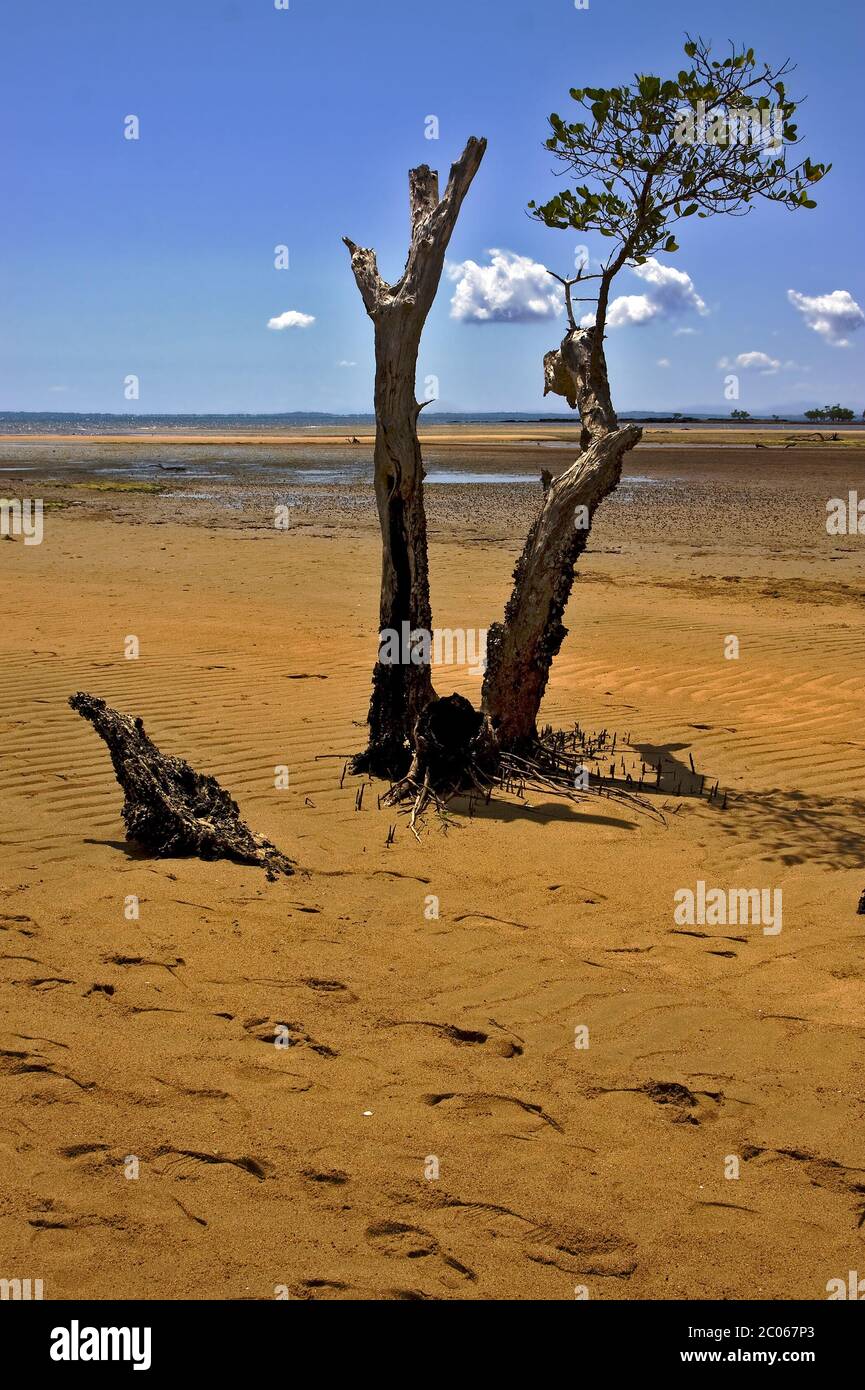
(169, 807)
(402, 689)
(521, 649)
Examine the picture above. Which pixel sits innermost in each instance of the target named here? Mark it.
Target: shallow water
(468, 477)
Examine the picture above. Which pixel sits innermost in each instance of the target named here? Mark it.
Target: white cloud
(672, 289)
(753, 362)
(346, 364)
(833, 315)
(668, 292)
(684, 332)
(663, 362)
(292, 318)
(627, 309)
(511, 289)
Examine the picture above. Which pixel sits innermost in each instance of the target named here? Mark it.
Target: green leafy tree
(739, 415)
(640, 159)
(646, 156)
(830, 412)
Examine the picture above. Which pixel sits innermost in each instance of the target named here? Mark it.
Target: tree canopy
(830, 412)
(645, 156)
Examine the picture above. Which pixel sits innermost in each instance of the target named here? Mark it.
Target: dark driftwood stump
(170, 809)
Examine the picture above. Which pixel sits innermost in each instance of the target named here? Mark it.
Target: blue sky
(261, 127)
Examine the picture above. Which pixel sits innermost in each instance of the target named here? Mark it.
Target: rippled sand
(415, 1037)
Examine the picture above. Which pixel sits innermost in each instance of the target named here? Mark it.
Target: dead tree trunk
(402, 689)
(521, 649)
(454, 747)
(577, 370)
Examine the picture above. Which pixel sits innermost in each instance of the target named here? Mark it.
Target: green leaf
(626, 132)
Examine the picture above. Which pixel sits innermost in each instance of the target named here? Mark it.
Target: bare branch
(373, 288)
(569, 298)
(423, 187)
(433, 231)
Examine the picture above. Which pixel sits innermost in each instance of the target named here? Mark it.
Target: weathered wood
(521, 649)
(398, 312)
(578, 371)
(170, 809)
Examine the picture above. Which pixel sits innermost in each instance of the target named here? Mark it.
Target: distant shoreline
(299, 427)
(529, 432)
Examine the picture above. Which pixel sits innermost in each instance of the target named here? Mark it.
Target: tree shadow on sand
(790, 827)
(127, 847)
(677, 778)
(542, 812)
(794, 827)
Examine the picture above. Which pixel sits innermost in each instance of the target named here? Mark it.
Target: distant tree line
(826, 412)
(831, 412)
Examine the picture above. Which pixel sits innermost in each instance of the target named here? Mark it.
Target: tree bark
(401, 690)
(578, 371)
(521, 649)
(169, 808)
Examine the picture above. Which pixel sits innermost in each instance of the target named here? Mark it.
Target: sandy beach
(430, 1130)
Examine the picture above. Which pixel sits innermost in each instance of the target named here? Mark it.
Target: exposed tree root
(169, 807)
(388, 762)
(456, 754)
(451, 746)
